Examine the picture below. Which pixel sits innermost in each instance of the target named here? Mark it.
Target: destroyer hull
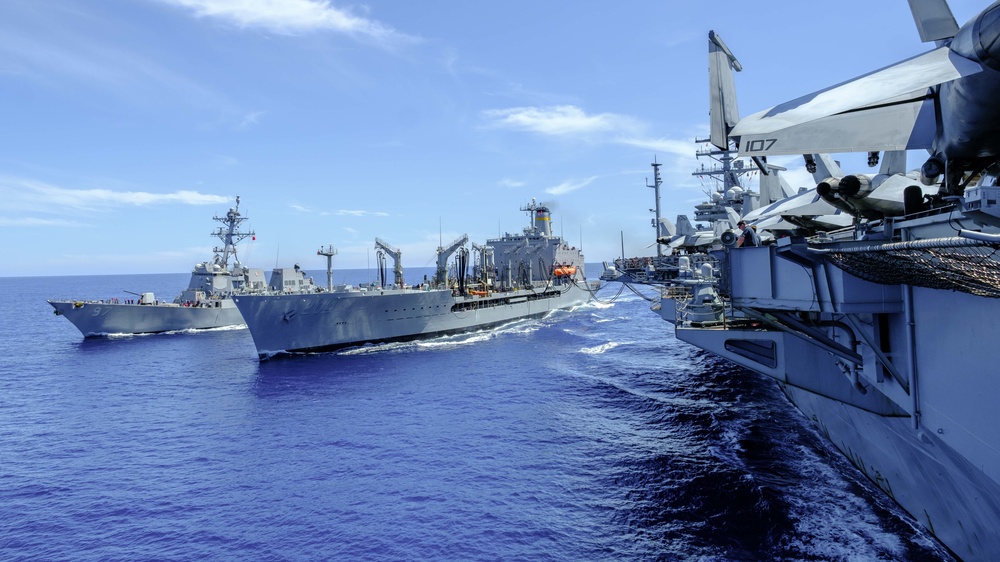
(329, 321)
(95, 319)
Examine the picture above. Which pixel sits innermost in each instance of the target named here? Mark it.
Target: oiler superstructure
(512, 277)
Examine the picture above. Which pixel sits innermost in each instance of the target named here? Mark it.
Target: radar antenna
(229, 235)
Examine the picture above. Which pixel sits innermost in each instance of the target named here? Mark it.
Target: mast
(657, 182)
(726, 172)
(329, 251)
(229, 235)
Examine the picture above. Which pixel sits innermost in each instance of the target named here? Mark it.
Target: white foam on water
(599, 349)
(443, 342)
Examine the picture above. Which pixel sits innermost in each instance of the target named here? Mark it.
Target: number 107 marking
(760, 145)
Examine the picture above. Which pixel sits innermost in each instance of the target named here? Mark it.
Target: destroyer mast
(230, 236)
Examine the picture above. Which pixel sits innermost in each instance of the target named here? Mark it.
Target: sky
(126, 125)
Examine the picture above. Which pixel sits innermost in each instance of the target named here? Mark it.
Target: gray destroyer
(515, 276)
(205, 303)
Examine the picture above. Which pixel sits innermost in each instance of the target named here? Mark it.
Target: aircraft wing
(888, 109)
(805, 204)
(722, 90)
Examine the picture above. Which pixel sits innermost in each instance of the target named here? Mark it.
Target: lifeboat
(565, 271)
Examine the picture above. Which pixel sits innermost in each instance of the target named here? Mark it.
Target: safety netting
(956, 264)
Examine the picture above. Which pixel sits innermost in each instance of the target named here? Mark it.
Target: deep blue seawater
(587, 435)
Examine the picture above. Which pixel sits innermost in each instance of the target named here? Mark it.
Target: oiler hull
(95, 319)
(330, 321)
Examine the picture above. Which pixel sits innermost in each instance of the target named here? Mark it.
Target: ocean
(589, 434)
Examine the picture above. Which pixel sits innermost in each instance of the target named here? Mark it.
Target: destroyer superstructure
(512, 277)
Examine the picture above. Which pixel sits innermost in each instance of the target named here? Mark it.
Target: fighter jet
(891, 192)
(943, 101)
(783, 209)
(807, 210)
(685, 236)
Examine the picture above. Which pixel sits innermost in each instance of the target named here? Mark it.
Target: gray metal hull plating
(941, 488)
(98, 319)
(928, 434)
(328, 321)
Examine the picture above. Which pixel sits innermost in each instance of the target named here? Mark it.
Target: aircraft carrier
(515, 276)
(205, 303)
(878, 330)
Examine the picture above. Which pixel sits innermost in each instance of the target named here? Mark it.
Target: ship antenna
(230, 235)
(657, 182)
(329, 251)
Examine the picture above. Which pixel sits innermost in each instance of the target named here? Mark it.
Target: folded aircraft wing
(805, 203)
(888, 109)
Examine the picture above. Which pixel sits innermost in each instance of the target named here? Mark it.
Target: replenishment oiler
(206, 303)
(515, 276)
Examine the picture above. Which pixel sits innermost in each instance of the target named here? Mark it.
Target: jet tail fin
(684, 226)
(893, 162)
(934, 19)
(666, 228)
(734, 218)
(827, 167)
(722, 90)
(773, 186)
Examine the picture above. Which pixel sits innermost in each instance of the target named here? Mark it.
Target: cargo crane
(441, 277)
(397, 256)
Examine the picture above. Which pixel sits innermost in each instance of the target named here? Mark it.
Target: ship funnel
(543, 221)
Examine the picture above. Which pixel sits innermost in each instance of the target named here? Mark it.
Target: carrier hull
(902, 378)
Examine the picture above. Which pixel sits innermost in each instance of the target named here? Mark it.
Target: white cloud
(568, 186)
(509, 183)
(250, 120)
(339, 212)
(346, 212)
(39, 195)
(294, 16)
(569, 120)
(660, 146)
(35, 221)
(560, 120)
